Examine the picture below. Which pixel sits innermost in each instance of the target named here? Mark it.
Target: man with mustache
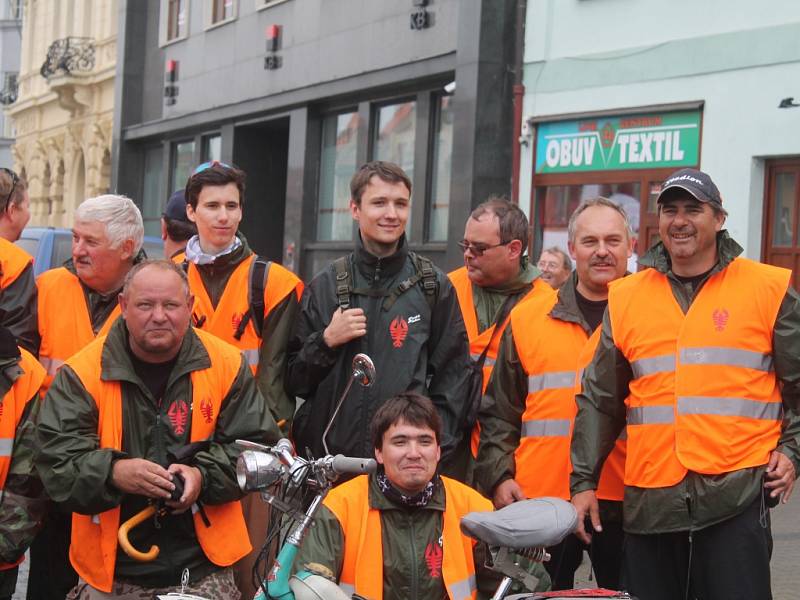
(529, 405)
(78, 302)
(699, 360)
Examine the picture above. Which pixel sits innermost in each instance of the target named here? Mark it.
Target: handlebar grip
(353, 466)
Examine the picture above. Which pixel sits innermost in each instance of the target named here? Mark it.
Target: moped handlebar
(346, 465)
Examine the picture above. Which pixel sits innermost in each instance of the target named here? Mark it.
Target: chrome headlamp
(256, 470)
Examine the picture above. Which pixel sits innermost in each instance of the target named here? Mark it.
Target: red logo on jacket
(398, 329)
(720, 318)
(206, 409)
(236, 320)
(433, 559)
(178, 414)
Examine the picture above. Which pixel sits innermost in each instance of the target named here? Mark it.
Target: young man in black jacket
(391, 304)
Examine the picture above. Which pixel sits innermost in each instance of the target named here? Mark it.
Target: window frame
(163, 23)
(210, 5)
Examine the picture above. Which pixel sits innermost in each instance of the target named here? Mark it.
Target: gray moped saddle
(539, 522)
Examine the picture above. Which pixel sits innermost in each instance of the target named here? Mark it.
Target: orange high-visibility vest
(13, 261)
(234, 304)
(479, 340)
(65, 325)
(362, 567)
(704, 396)
(93, 549)
(611, 485)
(11, 407)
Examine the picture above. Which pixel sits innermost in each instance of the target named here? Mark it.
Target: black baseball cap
(697, 183)
(176, 207)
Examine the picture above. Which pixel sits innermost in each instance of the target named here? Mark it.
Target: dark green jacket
(275, 332)
(414, 348)
(488, 301)
(503, 404)
(77, 473)
(22, 501)
(406, 535)
(697, 501)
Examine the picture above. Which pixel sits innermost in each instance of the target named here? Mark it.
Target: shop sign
(646, 141)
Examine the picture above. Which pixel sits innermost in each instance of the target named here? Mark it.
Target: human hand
(142, 477)
(192, 486)
(507, 493)
(585, 503)
(780, 476)
(345, 325)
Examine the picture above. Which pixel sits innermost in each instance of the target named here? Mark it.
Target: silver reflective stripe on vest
(347, 588)
(487, 362)
(51, 365)
(651, 415)
(655, 364)
(732, 357)
(546, 428)
(6, 444)
(551, 381)
(462, 590)
(730, 407)
(251, 356)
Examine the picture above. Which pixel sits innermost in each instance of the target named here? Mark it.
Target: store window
(337, 165)
(439, 203)
(212, 148)
(182, 163)
(395, 135)
(624, 158)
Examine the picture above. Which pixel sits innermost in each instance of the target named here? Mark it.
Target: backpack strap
(257, 280)
(344, 282)
(425, 273)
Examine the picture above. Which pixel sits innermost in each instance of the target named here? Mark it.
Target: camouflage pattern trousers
(217, 586)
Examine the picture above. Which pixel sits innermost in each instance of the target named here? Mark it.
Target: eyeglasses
(549, 265)
(208, 165)
(14, 181)
(479, 249)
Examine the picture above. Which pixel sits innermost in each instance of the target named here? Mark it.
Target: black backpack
(425, 273)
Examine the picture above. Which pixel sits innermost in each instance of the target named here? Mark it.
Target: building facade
(298, 93)
(10, 33)
(63, 114)
(619, 94)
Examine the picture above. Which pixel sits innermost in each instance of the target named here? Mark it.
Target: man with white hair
(77, 303)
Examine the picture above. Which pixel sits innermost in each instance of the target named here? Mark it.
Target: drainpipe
(518, 92)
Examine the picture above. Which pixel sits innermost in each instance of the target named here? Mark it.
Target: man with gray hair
(77, 303)
(555, 265)
(526, 416)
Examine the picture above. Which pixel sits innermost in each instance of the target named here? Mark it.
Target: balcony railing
(69, 55)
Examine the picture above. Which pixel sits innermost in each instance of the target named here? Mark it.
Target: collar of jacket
(116, 362)
(727, 249)
(388, 266)
(231, 258)
(566, 308)
(378, 501)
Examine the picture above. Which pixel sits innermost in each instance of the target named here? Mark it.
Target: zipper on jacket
(414, 558)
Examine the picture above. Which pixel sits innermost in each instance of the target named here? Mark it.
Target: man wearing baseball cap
(176, 228)
(699, 356)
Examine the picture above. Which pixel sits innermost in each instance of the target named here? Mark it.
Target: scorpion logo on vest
(206, 409)
(178, 414)
(720, 318)
(236, 319)
(398, 329)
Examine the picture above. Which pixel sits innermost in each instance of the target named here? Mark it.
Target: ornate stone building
(64, 111)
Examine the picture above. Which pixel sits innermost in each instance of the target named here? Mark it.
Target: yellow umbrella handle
(125, 528)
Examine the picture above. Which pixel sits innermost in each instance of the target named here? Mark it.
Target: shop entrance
(781, 244)
(262, 149)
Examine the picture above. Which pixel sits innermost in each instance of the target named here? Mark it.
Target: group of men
(663, 403)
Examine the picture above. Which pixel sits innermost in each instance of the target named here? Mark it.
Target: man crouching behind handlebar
(406, 514)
